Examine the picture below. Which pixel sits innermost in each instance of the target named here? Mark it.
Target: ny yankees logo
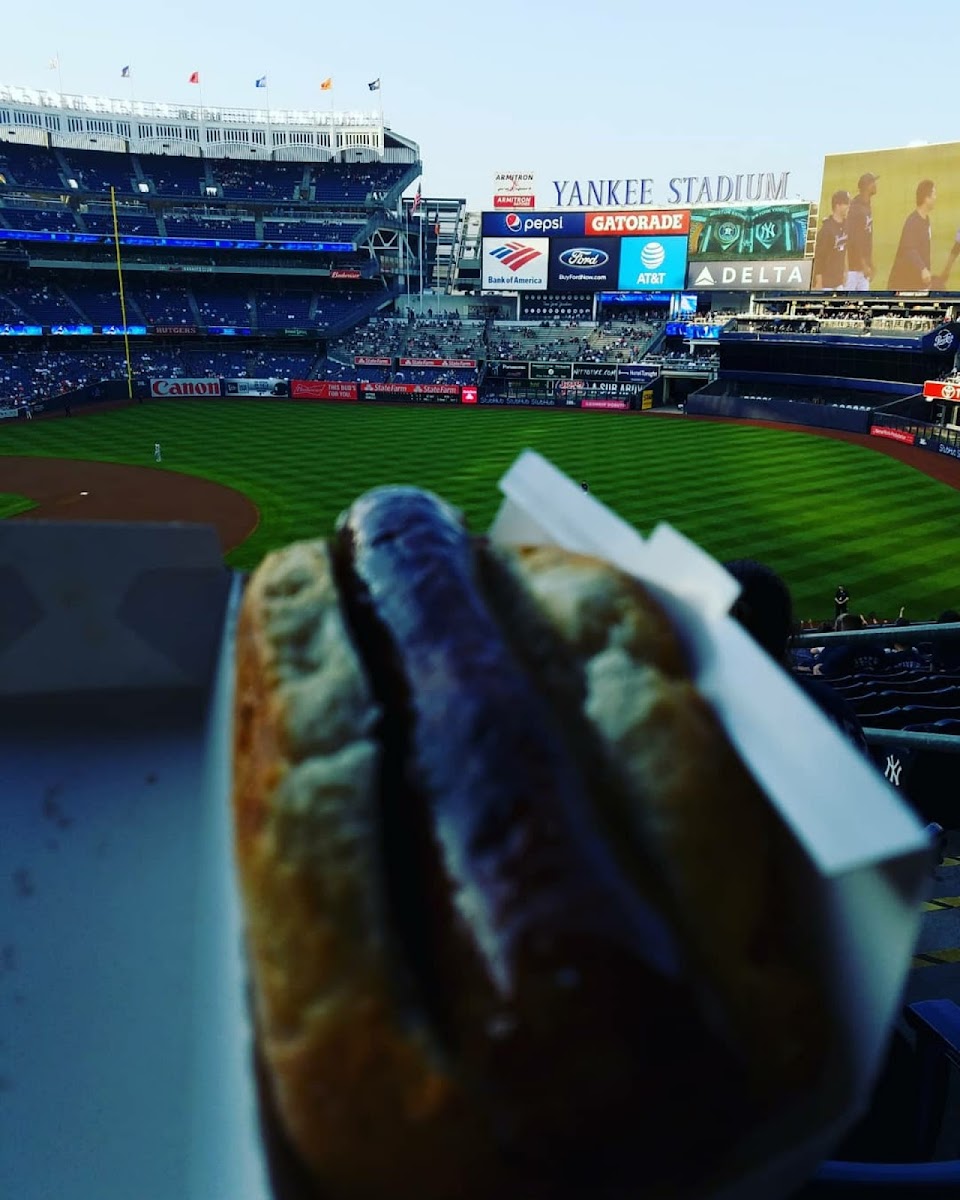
(892, 770)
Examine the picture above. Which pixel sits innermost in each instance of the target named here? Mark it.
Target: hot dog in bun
(511, 899)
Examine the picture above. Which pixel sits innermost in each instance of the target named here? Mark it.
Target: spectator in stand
(849, 658)
(765, 609)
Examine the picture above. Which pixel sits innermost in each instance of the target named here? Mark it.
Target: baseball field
(818, 510)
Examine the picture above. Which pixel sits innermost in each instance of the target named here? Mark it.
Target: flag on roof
(417, 199)
(195, 77)
(374, 85)
(326, 85)
(261, 82)
(125, 73)
(53, 64)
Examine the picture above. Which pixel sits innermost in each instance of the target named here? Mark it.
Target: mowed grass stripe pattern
(11, 505)
(820, 512)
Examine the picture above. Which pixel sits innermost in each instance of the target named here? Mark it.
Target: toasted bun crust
(360, 1088)
(359, 1091)
(693, 807)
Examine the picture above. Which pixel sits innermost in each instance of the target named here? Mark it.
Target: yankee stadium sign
(681, 189)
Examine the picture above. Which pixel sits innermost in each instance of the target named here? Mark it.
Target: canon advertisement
(184, 387)
(584, 264)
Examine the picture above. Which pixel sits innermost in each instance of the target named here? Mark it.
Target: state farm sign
(184, 387)
(936, 389)
(598, 224)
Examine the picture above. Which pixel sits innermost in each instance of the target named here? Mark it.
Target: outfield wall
(790, 412)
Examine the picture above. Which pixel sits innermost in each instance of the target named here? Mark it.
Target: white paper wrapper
(867, 853)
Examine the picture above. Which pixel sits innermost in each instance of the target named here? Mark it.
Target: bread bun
(388, 1085)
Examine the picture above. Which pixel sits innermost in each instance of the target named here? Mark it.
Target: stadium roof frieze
(33, 98)
(34, 117)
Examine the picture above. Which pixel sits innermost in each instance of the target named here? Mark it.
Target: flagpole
(266, 96)
(59, 74)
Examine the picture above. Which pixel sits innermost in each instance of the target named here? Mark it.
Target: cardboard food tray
(125, 1043)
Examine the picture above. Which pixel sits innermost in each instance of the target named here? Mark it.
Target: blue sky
(606, 88)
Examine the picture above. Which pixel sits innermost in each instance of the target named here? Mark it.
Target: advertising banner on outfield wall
(515, 264)
(453, 364)
(890, 220)
(763, 232)
(184, 387)
(255, 387)
(747, 276)
(894, 435)
(420, 393)
(322, 389)
(638, 372)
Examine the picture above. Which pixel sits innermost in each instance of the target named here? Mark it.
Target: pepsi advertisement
(533, 224)
(584, 264)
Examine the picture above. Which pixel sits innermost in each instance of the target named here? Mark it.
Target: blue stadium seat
(935, 1025)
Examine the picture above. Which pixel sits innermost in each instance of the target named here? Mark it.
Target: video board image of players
(902, 224)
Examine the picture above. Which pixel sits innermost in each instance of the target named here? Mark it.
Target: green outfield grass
(11, 505)
(819, 511)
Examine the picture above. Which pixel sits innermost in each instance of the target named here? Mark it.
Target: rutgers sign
(184, 387)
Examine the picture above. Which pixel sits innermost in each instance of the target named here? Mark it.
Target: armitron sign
(184, 387)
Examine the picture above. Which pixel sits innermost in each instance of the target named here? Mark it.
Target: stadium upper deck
(48, 119)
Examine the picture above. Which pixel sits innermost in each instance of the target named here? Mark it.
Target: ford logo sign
(584, 257)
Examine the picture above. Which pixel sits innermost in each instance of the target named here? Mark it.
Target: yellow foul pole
(123, 302)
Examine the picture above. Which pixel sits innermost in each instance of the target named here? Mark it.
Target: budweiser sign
(895, 435)
(366, 360)
(322, 389)
(462, 364)
(345, 273)
(936, 389)
(184, 387)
